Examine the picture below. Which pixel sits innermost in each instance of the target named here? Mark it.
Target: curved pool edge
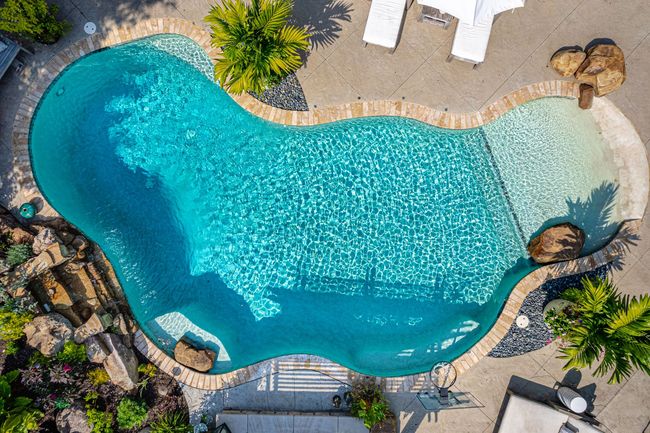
(627, 148)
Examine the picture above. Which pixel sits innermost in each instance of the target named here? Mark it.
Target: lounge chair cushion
(384, 22)
(471, 42)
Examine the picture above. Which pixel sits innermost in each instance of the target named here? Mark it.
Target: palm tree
(611, 326)
(258, 47)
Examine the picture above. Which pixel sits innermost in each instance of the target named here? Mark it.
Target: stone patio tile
(312, 61)
(236, 423)
(424, 38)
(635, 280)
(628, 411)
(315, 424)
(325, 86)
(375, 73)
(488, 380)
(426, 86)
(330, 21)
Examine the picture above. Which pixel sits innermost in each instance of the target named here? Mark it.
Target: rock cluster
(602, 68)
(78, 289)
(558, 243)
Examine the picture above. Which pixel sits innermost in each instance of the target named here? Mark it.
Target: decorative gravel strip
(537, 335)
(28, 190)
(287, 95)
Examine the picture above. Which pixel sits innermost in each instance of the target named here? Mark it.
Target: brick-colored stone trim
(25, 183)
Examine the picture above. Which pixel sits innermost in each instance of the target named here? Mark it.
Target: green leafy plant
(98, 377)
(18, 254)
(611, 328)
(17, 414)
(174, 422)
(32, 19)
(131, 414)
(11, 348)
(369, 404)
(12, 323)
(561, 321)
(62, 403)
(91, 399)
(258, 47)
(38, 359)
(100, 421)
(72, 353)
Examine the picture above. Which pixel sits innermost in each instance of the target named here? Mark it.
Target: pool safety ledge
(627, 150)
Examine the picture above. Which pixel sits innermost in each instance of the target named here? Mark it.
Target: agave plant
(258, 47)
(612, 329)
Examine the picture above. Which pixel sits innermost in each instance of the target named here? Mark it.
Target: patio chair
(471, 42)
(8, 52)
(384, 22)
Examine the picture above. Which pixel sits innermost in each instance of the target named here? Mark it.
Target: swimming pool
(384, 244)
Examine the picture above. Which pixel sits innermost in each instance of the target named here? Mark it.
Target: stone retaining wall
(636, 187)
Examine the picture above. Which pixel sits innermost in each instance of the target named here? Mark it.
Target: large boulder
(96, 351)
(190, 356)
(121, 363)
(558, 243)
(603, 69)
(43, 240)
(94, 325)
(48, 333)
(72, 420)
(566, 62)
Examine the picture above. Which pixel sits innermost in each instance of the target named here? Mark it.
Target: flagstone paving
(340, 70)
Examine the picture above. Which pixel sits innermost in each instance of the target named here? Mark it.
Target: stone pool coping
(624, 141)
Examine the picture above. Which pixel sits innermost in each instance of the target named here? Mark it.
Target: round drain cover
(90, 28)
(522, 321)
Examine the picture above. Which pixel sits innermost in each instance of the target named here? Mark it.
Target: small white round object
(90, 28)
(522, 321)
(571, 399)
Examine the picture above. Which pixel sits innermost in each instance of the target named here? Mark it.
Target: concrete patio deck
(339, 69)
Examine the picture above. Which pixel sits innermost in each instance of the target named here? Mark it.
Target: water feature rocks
(120, 363)
(96, 351)
(44, 239)
(586, 98)
(197, 359)
(48, 333)
(603, 69)
(94, 325)
(558, 243)
(566, 62)
(72, 420)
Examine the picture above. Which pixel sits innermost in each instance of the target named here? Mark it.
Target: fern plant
(258, 47)
(32, 19)
(612, 329)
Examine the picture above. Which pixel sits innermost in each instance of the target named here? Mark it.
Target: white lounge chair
(471, 42)
(384, 22)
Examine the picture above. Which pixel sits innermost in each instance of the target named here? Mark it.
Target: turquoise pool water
(384, 244)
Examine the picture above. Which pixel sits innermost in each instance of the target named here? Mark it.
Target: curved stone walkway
(626, 147)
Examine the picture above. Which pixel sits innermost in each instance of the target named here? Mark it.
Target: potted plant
(370, 405)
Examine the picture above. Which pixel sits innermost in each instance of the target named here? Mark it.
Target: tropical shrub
(258, 47)
(72, 353)
(174, 422)
(18, 253)
(611, 328)
(17, 414)
(12, 323)
(369, 404)
(100, 421)
(131, 414)
(98, 377)
(32, 19)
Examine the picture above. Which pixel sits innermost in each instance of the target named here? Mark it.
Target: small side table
(435, 16)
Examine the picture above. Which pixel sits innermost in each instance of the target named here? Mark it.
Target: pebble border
(23, 177)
